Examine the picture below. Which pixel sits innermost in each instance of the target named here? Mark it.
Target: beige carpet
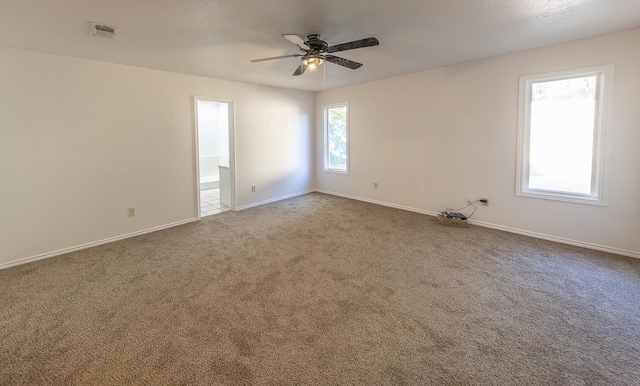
(322, 290)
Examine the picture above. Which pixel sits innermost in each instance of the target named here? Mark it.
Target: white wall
(212, 119)
(209, 166)
(453, 130)
(81, 141)
(213, 138)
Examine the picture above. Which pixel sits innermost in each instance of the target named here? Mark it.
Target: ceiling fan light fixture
(312, 60)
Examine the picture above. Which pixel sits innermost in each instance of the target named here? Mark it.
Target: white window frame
(325, 109)
(604, 95)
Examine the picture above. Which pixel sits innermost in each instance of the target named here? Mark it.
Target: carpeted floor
(322, 290)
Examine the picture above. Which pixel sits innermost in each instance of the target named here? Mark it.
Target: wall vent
(103, 31)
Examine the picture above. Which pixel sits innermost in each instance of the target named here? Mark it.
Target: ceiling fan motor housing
(316, 44)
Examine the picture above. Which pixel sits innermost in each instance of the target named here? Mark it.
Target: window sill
(564, 197)
(336, 171)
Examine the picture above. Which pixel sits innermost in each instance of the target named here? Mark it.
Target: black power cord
(453, 213)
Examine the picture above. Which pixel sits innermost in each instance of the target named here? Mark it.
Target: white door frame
(232, 148)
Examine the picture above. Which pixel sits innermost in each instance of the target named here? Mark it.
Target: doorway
(214, 156)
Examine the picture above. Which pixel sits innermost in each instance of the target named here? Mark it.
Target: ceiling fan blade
(275, 57)
(343, 62)
(297, 40)
(368, 42)
(300, 70)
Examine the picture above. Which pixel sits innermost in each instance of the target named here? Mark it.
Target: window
(561, 134)
(336, 138)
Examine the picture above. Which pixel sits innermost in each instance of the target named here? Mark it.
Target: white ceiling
(218, 38)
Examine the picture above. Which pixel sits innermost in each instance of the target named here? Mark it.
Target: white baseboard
(274, 199)
(128, 235)
(93, 244)
(556, 239)
(561, 240)
(410, 209)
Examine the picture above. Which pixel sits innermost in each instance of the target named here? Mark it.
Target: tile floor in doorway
(210, 203)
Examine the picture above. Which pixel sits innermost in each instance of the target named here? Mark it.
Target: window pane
(562, 134)
(337, 137)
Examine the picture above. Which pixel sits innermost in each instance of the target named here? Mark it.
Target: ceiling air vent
(103, 31)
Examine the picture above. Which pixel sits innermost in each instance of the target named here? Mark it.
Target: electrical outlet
(421, 190)
(375, 185)
(131, 212)
(253, 188)
(482, 201)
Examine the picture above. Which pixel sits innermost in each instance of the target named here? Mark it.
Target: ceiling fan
(315, 51)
